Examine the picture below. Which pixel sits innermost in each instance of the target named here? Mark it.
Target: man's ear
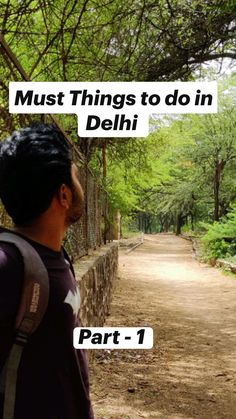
(64, 196)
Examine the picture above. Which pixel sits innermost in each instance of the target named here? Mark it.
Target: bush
(220, 239)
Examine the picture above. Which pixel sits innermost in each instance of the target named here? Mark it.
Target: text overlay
(113, 337)
(113, 109)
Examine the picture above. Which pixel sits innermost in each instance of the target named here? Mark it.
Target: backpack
(33, 304)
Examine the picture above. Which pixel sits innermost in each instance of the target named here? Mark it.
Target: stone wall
(96, 274)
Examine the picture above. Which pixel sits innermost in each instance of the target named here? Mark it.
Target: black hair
(34, 162)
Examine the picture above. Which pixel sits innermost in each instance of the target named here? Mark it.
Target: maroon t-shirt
(52, 381)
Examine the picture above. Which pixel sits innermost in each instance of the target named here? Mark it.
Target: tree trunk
(105, 209)
(219, 166)
(216, 193)
(166, 225)
(192, 221)
(178, 224)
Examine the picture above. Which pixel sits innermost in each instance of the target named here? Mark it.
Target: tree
(187, 174)
(215, 149)
(116, 40)
(141, 40)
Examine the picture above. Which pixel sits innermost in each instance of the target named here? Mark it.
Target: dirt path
(190, 372)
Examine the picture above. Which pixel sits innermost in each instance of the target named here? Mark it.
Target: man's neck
(48, 235)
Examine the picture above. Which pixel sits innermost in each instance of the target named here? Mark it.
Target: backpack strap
(66, 256)
(33, 304)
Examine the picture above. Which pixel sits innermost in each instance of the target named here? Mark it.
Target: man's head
(35, 168)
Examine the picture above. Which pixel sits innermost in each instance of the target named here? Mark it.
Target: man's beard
(76, 209)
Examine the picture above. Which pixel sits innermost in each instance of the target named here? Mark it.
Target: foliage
(109, 41)
(181, 174)
(184, 171)
(220, 239)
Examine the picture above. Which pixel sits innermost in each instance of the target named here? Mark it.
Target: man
(40, 190)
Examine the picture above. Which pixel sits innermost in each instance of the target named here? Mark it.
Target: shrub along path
(190, 372)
